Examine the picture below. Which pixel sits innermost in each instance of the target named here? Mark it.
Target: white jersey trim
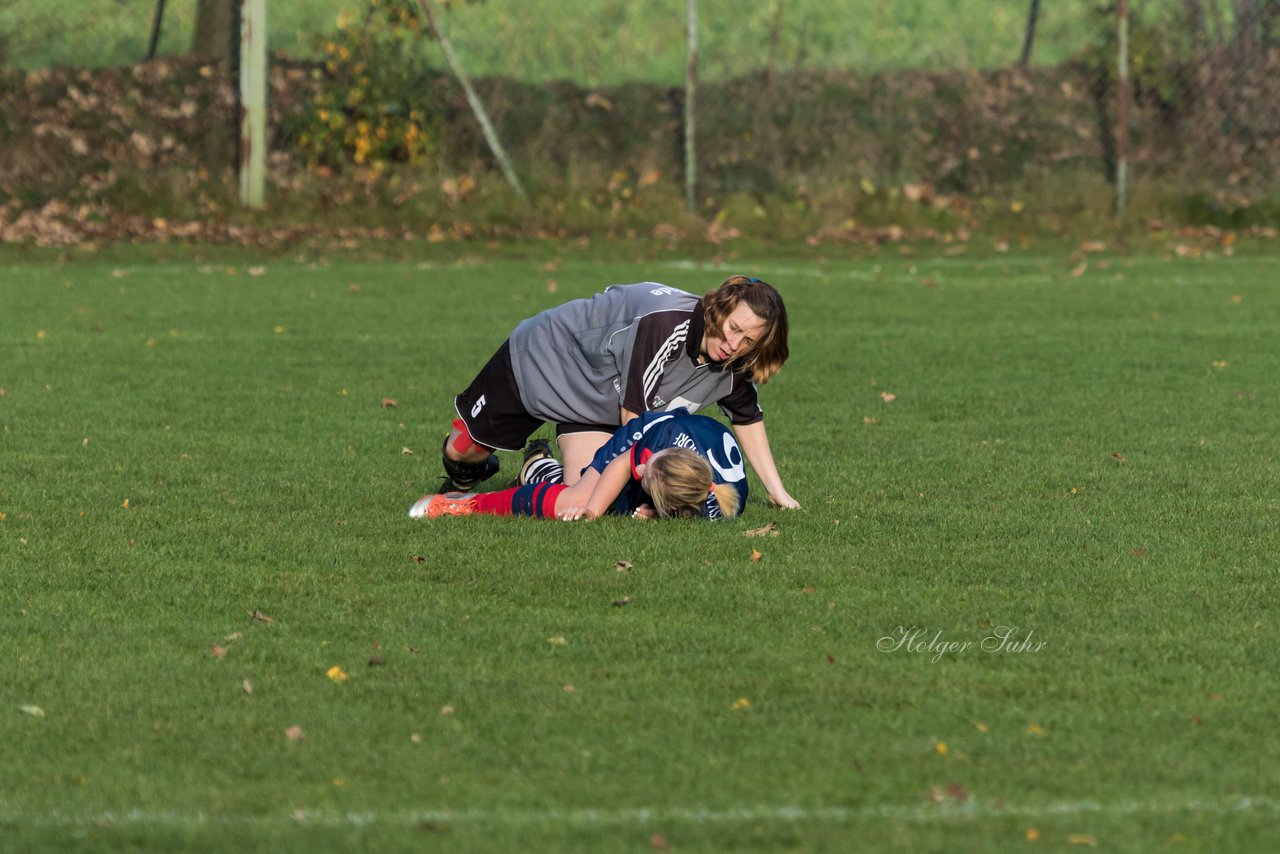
(653, 371)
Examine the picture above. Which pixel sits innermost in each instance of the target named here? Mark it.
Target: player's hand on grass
(573, 514)
(784, 500)
(644, 511)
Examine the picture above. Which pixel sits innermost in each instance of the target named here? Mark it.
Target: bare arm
(607, 488)
(755, 445)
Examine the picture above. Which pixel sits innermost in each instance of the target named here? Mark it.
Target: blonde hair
(766, 356)
(679, 481)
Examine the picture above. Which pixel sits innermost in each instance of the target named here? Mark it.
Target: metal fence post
(253, 101)
(1122, 108)
(690, 97)
(477, 107)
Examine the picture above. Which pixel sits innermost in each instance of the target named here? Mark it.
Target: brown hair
(679, 481)
(766, 356)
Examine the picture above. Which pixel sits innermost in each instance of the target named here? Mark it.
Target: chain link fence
(832, 101)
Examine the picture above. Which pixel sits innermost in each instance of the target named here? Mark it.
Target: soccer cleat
(540, 465)
(464, 477)
(446, 504)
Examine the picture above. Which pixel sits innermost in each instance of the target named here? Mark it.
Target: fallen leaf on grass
(1035, 729)
(623, 566)
(619, 603)
(1080, 269)
(260, 617)
(769, 530)
(756, 555)
(659, 842)
(1119, 457)
(1032, 834)
(247, 686)
(34, 711)
(418, 558)
(295, 733)
(377, 661)
(888, 396)
(218, 651)
(446, 710)
(336, 674)
(1218, 363)
(406, 452)
(956, 791)
(1139, 551)
(741, 703)
(558, 640)
(1082, 839)
(389, 403)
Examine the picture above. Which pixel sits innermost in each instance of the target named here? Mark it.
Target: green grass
(242, 418)
(601, 42)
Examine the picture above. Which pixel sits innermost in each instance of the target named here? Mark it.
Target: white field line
(909, 813)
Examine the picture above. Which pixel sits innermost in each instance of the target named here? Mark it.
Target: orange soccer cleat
(445, 504)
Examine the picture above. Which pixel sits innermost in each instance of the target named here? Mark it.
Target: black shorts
(494, 414)
(491, 406)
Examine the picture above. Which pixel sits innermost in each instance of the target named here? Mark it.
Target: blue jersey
(645, 435)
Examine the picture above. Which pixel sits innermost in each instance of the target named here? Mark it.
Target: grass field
(602, 41)
(202, 514)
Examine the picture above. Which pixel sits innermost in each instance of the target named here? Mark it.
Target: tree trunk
(213, 35)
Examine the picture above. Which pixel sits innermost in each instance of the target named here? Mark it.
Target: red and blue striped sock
(536, 499)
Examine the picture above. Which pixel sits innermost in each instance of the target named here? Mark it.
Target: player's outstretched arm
(605, 489)
(755, 446)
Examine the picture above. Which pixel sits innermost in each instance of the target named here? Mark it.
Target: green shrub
(361, 113)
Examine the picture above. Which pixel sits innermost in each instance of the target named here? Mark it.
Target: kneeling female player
(668, 464)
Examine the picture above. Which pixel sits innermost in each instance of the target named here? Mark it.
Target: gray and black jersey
(633, 346)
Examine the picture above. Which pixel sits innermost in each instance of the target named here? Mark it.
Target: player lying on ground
(592, 364)
(665, 464)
